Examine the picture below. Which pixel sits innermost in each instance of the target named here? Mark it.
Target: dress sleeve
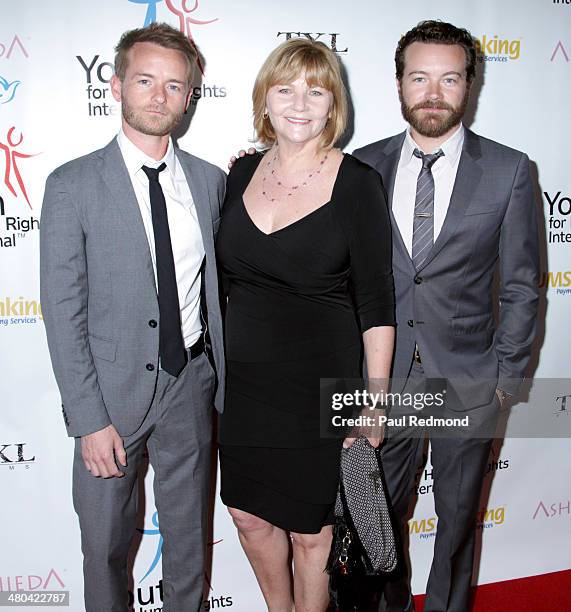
(370, 246)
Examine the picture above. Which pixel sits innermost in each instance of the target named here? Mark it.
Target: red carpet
(545, 593)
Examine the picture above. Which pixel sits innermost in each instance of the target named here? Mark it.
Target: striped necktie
(423, 225)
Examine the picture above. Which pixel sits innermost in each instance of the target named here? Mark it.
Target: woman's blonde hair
(284, 65)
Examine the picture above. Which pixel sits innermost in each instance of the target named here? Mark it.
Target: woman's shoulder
(357, 182)
(242, 171)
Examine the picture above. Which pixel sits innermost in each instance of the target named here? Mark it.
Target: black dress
(299, 300)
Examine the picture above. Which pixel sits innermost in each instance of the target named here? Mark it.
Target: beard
(433, 125)
(151, 125)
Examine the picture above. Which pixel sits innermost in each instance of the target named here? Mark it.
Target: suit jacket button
(410, 323)
(152, 323)
(150, 367)
(418, 280)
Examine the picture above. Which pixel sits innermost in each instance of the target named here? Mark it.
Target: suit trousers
(177, 432)
(458, 466)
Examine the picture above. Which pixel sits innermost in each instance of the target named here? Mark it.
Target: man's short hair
(321, 68)
(440, 33)
(160, 34)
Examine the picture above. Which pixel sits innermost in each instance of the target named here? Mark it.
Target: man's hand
(504, 398)
(101, 450)
(241, 153)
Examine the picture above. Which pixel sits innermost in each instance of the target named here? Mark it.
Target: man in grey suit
(130, 299)
(459, 203)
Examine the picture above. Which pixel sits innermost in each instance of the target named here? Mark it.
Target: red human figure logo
(12, 156)
(186, 21)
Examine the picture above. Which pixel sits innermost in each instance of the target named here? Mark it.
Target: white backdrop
(55, 104)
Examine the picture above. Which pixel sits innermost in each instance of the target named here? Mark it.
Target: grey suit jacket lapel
(468, 176)
(387, 168)
(198, 186)
(118, 182)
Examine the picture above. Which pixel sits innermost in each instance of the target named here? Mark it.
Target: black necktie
(423, 224)
(171, 346)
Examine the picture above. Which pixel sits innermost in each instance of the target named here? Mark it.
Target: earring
(266, 114)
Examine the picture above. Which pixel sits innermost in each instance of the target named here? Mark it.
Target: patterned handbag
(364, 542)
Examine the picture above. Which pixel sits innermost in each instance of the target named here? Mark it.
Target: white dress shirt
(186, 239)
(444, 173)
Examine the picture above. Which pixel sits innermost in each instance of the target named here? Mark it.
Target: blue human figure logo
(153, 532)
(151, 15)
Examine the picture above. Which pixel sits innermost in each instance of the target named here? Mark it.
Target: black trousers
(459, 459)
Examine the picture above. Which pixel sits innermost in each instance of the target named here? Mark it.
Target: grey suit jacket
(98, 289)
(447, 306)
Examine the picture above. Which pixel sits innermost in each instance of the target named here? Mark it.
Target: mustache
(437, 104)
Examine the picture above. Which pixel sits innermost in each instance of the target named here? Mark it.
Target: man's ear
(188, 98)
(116, 87)
(398, 82)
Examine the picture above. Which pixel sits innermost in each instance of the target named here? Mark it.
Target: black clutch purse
(364, 544)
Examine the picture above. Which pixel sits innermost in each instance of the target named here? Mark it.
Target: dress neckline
(301, 219)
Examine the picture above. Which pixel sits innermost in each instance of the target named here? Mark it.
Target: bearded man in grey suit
(461, 204)
(130, 299)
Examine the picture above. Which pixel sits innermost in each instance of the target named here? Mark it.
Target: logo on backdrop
(495, 462)
(151, 15)
(159, 552)
(562, 2)
(423, 480)
(32, 582)
(491, 517)
(19, 311)
(560, 281)
(98, 74)
(213, 603)
(560, 53)
(559, 213)
(331, 40)
(185, 22)
(16, 456)
(98, 71)
(7, 89)
(496, 49)
(12, 229)
(154, 593)
(551, 510)
(183, 10)
(487, 518)
(13, 154)
(13, 47)
(424, 485)
(424, 528)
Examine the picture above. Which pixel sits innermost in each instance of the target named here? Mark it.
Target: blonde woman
(305, 252)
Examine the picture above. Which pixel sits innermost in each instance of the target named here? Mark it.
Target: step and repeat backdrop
(56, 61)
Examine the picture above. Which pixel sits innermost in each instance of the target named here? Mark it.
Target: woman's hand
(374, 431)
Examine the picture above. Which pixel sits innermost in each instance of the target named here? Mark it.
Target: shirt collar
(135, 159)
(451, 147)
